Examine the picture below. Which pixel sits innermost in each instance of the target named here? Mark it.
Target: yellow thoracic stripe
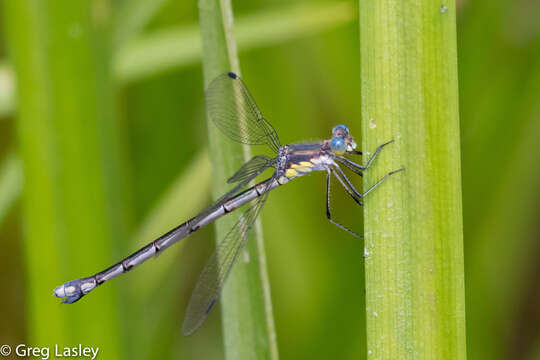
(303, 167)
(290, 173)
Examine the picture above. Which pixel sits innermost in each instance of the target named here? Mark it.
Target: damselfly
(233, 110)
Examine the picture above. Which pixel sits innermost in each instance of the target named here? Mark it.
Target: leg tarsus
(329, 216)
(376, 153)
(381, 180)
(396, 171)
(344, 160)
(346, 229)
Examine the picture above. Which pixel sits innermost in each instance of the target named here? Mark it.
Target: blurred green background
(139, 61)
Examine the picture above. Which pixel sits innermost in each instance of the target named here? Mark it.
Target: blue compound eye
(338, 146)
(340, 129)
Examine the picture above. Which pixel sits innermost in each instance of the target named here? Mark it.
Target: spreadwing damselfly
(232, 109)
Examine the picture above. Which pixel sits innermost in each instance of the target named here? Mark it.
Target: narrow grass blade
(7, 91)
(248, 324)
(11, 183)
(413, 221)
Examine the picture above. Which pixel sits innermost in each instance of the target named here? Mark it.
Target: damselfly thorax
(303, 158)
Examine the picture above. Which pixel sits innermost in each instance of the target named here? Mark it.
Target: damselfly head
(342, 141)
(340, 131)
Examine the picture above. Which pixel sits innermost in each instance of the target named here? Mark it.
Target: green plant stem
(74, 207)
(248, 325)
(413, 222)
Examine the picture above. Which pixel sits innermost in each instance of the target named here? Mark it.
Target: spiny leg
(348, 186)
(376, 153)
(349, 166)
(360, 167)
(342, 174)
(344, 180)
(329, 216)
(381, 180)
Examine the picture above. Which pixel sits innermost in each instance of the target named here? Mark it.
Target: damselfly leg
(348, 185)
(329, 215)
(350, 163)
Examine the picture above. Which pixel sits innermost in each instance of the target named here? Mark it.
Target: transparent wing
(219, 266)
(243, 182)
(232, 108)
(256, 165)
